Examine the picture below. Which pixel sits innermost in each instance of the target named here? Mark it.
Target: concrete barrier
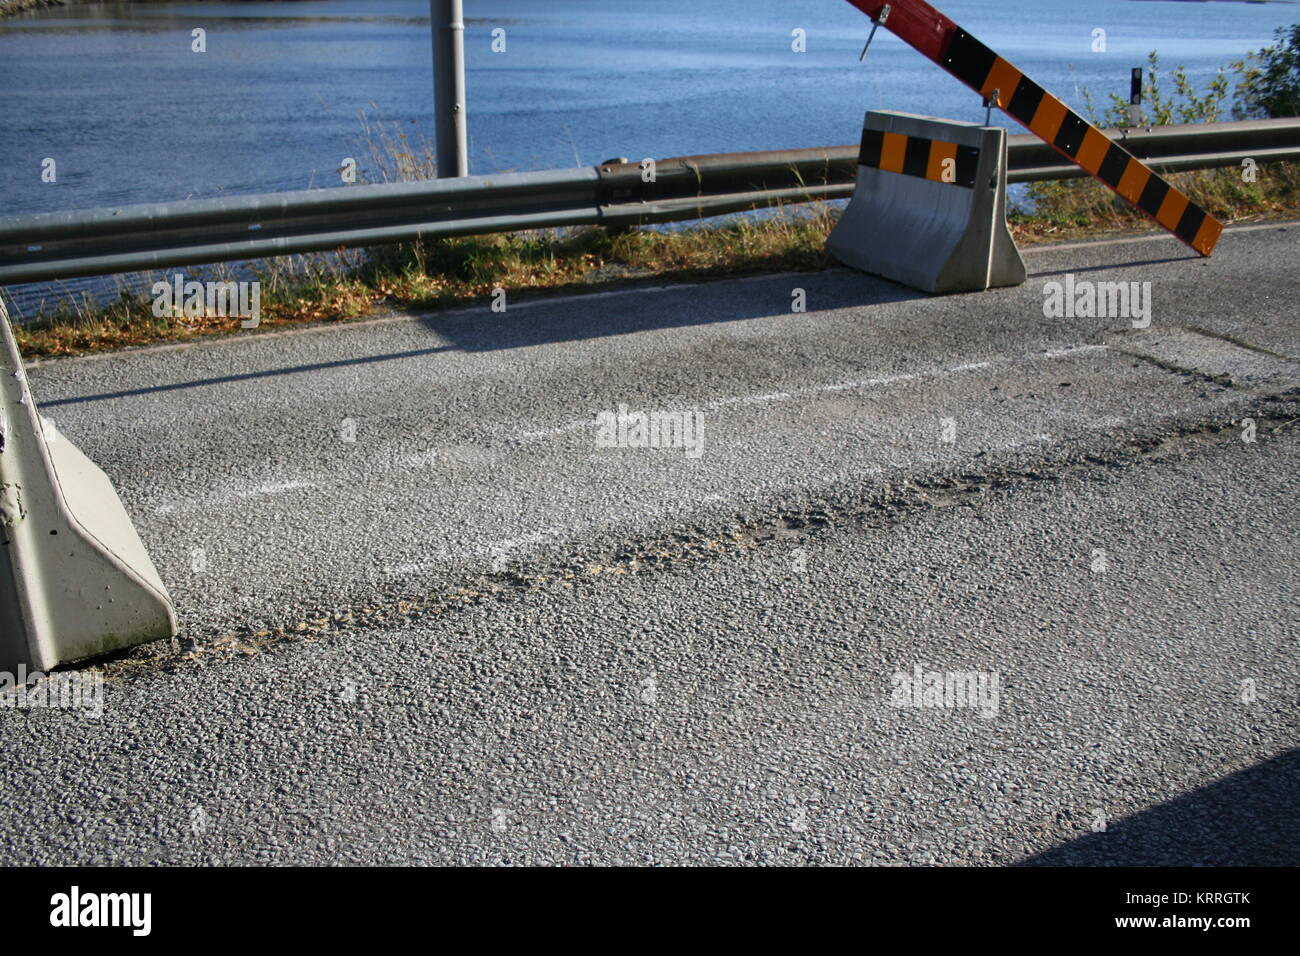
(930, 206)
(75, 579)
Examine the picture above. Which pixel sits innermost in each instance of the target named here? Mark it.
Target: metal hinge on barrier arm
(875, 25)
(938, 38)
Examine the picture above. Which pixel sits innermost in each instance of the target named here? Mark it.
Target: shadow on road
(243, 377)
(540, 321)
(1251, 818)
(1108, 267)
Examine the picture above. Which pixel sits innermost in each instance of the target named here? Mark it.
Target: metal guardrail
(60, 245)
(1169, 148)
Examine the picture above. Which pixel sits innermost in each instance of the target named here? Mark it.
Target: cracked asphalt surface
(435, 623)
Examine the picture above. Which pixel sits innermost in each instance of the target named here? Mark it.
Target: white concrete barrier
(75, 580)
(930, 206)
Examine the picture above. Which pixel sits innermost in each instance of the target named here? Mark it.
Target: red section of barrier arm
(914, 22)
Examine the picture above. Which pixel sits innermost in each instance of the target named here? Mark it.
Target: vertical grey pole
(449, 86)
(1135, 96)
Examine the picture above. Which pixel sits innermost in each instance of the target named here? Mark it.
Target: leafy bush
(1270, 78)
(1159, 109)
(1269, 85)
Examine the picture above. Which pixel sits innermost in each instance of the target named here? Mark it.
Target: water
(113, 93)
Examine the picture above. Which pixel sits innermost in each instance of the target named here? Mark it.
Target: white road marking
(265, 489)
(282, 485)
(813, 390)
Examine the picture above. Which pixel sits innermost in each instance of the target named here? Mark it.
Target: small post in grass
(1135, 97)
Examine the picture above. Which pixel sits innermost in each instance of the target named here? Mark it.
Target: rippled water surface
(130, 114)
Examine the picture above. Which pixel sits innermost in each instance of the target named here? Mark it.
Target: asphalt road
(427, 618)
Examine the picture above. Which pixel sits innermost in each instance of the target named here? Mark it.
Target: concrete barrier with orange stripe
(933, 159)
(999, 82)
(929, 207)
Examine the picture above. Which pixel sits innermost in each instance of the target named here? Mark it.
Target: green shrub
(1270, 78)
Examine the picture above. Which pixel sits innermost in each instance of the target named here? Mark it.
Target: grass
(445, 272)
(1072, 209)
(350, 284)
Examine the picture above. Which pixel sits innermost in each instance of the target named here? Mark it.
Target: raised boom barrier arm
(932, 34)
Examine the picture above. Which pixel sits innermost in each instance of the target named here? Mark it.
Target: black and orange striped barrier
(940, 39)
(933, 159)
(929, 208)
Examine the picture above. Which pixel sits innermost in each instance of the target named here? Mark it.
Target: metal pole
(1135, 97)
(449, 86)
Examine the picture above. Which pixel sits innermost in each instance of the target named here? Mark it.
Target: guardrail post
(448, 23)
